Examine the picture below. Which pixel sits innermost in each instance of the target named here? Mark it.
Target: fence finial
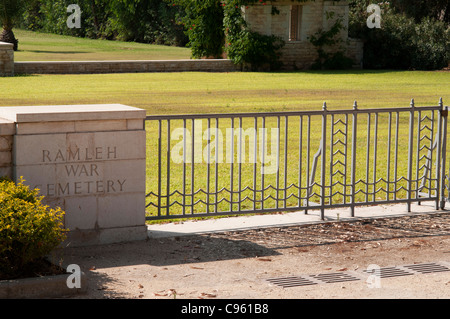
(441, 102)
(412, 102)
(355, 105)
(324, 106)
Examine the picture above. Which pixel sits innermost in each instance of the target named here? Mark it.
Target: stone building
(295, 22)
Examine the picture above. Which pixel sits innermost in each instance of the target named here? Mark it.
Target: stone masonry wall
(90, 160)
(7, 131)
(88, 67)
(6, 59)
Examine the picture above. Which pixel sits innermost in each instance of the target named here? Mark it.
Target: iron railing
(222, 164)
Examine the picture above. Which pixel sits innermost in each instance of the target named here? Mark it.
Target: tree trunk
(94, 13)
(8, 36)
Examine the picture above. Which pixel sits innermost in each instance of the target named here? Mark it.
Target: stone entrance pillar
(6, 59)
(90, 161)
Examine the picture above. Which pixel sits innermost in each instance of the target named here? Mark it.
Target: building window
(295, 23)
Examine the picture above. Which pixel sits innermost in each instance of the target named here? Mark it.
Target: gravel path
(239, 264)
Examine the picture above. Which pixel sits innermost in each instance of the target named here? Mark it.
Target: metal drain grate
(383, 272)
(388, 272)
(334, 277)
(288, 282)
(427, 268)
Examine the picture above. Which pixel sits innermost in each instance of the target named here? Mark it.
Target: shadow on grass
(55, 52)
(23, 75)
(336, 72)
(352, 71)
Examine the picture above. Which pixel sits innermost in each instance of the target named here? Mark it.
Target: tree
(10, 13)
(148, 21)
(203, 22)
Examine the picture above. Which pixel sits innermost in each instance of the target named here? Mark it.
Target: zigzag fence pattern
(226, 164)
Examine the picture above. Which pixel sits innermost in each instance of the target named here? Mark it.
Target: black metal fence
(226, 164)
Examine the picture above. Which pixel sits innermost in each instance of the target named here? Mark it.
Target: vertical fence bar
(375, 150)
(324, 144)
(368, 156)
(430, 182)
(184, 165)
(346, 159)
(263, 161)
(192, 166)
(396, 155)
(240, 165)
(232, 164)
(159, 167)
(419, 122)
(217, 145)
(278, 162)
(286, 129)
(255, 157)
(353, 167)
(331, 159)
(444, 154)
(168, 169)
(208, 164)
(300, 160)
(388, 173)
(308, 162)
(410, 154)
(438, 161)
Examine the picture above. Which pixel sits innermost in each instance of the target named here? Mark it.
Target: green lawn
(194, 92)
(35, 46)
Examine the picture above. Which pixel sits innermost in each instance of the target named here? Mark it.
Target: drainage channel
(339, 277)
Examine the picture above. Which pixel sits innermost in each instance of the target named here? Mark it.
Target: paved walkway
(286, 219)
(243, 266)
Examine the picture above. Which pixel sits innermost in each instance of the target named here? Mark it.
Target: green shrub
(203, 22)
(254, 50)
(326, 43)
(29, 230)
(402, 42)
(390, 47)
(147, 21)
(432, 45)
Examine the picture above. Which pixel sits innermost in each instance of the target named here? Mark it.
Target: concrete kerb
(199, 227)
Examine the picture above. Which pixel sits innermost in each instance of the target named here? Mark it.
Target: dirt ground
(237, 265)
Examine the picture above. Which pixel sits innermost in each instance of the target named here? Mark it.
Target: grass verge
(36, 46)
